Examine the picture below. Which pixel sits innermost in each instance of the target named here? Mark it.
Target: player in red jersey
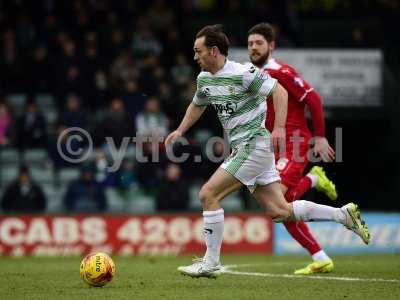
(291, 165)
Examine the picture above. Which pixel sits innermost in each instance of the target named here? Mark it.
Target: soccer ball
(97, 269)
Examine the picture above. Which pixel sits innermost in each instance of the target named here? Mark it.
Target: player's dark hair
(264, 29)
(215, 37)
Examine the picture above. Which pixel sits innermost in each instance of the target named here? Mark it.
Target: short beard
(261, 60)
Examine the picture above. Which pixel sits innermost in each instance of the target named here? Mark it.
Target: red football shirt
(298, 89)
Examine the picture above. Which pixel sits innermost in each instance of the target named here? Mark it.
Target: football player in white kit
(238, 94)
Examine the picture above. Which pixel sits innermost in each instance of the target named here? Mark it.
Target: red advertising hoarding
(129, 235)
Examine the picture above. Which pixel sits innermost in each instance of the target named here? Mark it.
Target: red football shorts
(292, 166)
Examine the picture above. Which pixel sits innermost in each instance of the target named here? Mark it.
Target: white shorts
(252, 166)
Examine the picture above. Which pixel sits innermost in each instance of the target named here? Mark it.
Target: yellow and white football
(97, 269)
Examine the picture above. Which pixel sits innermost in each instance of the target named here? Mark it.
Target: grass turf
(156, 278)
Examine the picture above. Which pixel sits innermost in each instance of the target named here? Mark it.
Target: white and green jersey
(238, 93)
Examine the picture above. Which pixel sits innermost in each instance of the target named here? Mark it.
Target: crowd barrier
(128, 234)
(175, 234)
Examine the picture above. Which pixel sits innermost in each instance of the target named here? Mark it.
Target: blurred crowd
(115, 69)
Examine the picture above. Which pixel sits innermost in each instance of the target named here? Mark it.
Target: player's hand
(323, 149)
(278, 138)
(173, 136)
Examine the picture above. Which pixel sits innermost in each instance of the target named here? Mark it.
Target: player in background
(291, 164)
(238, 94)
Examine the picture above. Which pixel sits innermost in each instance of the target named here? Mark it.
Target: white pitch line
(227, 270)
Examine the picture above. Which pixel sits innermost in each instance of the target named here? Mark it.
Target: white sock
(320, 256)
(213, 234)
(313, 178)
(312, 212)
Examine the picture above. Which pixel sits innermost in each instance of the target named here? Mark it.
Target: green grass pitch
(355, 277)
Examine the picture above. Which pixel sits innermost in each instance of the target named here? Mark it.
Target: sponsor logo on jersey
(225, 109)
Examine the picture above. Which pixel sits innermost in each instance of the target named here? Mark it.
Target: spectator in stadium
(70, 55)
(59, 140)
(73, 81)
(69, 70)
(74, 115)
(170, 103)
(116, 125)
(5, 122)
(171, 40)
(151, 72)
(181, 72)
(123, 69)
(144, 41)
(101, 90)
(31, 128)
(101, 164)
(92, 62)
(116, 44)
(48, 29)
(150, 165)
(85, 194)
(161, 15)
(173, 192)
(165, 94)
(23, 195)
(126, 179)
(133, 98)
(152, 121)
(11, 65)
(40, 73)
(25, 31)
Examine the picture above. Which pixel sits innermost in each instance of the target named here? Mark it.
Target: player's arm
(278, 135)
(321, 144)
(193, 113)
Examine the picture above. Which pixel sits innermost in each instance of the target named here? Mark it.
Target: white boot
(201, 268)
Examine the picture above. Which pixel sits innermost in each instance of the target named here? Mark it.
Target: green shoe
(355, 223)
(324, 184)
(325, 266)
